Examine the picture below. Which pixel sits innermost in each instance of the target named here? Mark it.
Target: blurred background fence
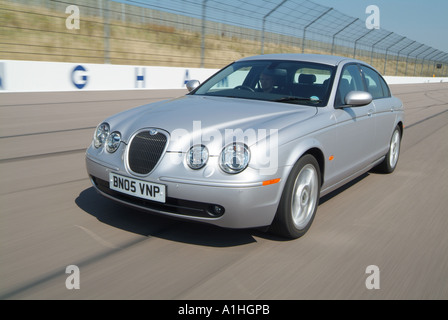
(202, 33)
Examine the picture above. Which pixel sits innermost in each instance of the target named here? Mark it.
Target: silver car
(255, 145)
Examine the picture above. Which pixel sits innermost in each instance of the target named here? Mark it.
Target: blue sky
(425, 21)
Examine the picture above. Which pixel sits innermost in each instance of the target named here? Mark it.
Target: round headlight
(234, 158)
(197, 157)
(113, 142)
(101, 134)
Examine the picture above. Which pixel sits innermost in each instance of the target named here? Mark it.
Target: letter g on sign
(79, 81)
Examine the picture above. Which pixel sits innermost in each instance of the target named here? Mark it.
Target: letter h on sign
(140, 78)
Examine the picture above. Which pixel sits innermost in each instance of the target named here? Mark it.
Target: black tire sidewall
(385, 166)
(284, 222)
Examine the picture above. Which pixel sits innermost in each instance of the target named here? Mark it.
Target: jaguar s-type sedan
(255, 145)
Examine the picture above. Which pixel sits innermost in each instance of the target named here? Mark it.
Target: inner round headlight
(113, 142)
(197, 157)
(234, 158)
(101, 134)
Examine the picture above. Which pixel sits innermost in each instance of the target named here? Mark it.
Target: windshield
(281, 81)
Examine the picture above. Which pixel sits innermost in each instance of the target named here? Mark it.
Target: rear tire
(300, 199)
(390, 161)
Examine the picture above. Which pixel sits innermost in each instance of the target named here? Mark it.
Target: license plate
(137, 188)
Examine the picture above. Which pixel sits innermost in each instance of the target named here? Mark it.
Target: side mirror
(358, 98)
(192, 84)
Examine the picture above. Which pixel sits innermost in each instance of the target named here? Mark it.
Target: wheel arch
(319, 156)
(311, 147)
(401, 126)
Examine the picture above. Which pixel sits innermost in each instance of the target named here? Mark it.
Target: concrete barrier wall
(411, 80)
(35, 76)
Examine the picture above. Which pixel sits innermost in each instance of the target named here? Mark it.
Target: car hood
(189, 118)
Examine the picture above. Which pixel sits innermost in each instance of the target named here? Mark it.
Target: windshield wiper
(297, 99)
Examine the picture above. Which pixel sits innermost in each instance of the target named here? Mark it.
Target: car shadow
(344, 187)
(152, 225)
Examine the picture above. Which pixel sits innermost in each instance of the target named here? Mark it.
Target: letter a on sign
(72, 21)
(373, 21)
(72, 281)
(373, 281)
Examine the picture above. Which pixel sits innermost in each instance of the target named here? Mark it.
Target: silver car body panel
(349, 141)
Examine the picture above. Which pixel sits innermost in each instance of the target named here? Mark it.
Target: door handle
(369, 113)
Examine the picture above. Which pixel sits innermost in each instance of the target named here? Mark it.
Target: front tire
(390, 161)
(299, 201)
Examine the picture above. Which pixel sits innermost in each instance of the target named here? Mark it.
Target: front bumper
(242, 204)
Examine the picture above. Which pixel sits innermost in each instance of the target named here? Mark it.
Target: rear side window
(386, 90)
(376, 85)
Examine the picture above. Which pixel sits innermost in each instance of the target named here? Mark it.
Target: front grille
(145, 151)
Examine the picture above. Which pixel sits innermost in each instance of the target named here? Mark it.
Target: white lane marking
(97, 238)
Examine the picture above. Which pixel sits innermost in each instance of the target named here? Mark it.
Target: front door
(355, 133)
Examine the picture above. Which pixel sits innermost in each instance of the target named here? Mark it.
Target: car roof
(316, 58)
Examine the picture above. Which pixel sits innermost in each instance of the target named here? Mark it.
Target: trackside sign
(39, 76)
(32, 76)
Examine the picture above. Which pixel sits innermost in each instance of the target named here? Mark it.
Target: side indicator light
(331, 158)
(269, 182)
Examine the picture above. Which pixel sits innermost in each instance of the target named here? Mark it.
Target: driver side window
(350, 81)
(234, 79)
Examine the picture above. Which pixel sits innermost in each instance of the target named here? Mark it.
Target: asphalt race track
(52, 218)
